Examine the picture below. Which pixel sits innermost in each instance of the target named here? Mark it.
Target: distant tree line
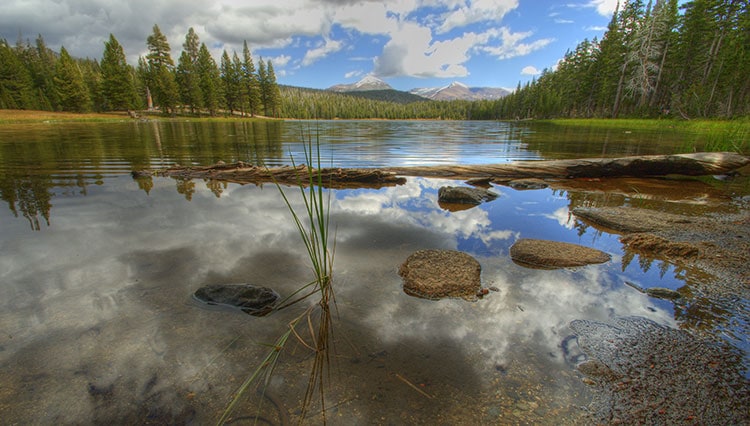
(652, 61)
(35, 77)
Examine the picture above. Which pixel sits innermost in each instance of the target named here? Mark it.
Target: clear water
(97, 269)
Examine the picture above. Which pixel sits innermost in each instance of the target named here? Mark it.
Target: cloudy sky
(318, 43)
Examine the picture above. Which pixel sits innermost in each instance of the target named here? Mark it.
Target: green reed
(313, 228)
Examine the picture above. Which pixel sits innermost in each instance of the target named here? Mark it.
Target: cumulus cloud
(530, 70)
(327, 47)
(412, 51)
(468, 12)
(604, 7)
(423, 38)
(513, 45)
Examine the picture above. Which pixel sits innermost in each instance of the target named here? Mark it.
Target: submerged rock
(527, 184)
(651, 374)
(437, 274)
(464, 195)
(254, 300)
(663, 293)
(545, 254)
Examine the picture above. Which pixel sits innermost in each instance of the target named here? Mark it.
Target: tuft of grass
(313, 228)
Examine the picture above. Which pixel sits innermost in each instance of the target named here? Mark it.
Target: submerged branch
(695, 164)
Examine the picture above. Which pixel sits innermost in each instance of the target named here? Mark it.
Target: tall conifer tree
(250, 80)
(210, 80)
(71, 89)
(118, 86)
(161, 80)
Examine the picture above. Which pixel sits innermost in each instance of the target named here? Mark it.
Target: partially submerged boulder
(437, 274)
(253, 300)
(527, 184)
(448, 195)
(544, 254)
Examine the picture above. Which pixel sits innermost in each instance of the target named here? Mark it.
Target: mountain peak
(457, 90)
(368, 82)
(458, 84)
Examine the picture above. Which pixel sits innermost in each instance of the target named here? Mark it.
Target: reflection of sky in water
(100, 298)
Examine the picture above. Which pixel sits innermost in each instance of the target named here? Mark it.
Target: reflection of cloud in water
(562, 217)
(416, 203)
(97, 321)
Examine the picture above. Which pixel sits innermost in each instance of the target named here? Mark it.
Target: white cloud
(324, 49)
(352, 74)
(280, 61)
(512, 45)
(412, 51)
(469, 12)
(604, 7)
(407, 27)
(530, 70)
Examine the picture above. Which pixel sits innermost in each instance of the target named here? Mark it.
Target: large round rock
(436, 274)
(544, 254)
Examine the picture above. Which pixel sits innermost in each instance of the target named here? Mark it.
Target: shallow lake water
(97, 271)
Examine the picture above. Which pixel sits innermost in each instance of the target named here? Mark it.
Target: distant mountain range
(368, 83)
(454, 91)
(461, 91)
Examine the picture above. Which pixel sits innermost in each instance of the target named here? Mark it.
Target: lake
(98, 268)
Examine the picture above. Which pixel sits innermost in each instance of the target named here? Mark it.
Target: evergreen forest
(656, 59)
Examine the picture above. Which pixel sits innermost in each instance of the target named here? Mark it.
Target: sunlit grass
(699, 135)
(313, 227)
(16, 116)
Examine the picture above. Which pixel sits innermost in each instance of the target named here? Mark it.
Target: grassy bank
(708, 135)
(14, 116)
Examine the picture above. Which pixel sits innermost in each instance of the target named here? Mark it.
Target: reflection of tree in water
(645, 261)
(186, 187)
(29, 195)
(216, 186)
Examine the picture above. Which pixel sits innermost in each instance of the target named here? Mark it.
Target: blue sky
(319, 43)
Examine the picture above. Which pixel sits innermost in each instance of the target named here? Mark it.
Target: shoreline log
(694, 164)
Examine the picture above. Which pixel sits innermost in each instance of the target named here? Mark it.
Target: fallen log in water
(696, 164)
(247, 173)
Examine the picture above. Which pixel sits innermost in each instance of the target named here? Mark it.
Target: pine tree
(241, 87)
(250, 81)
(118, 86)
(186, 73)
(42, 69)
(16, 86)
(272, 102)
(210, 80)
(263, 86)
(160, 78)
(188, 81)
(231, 80)
(69, 84)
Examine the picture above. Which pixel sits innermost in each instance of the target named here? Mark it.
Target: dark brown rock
(464, 195)
(254, 300)
(528, 183)
(544, 254)
(437, 274)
